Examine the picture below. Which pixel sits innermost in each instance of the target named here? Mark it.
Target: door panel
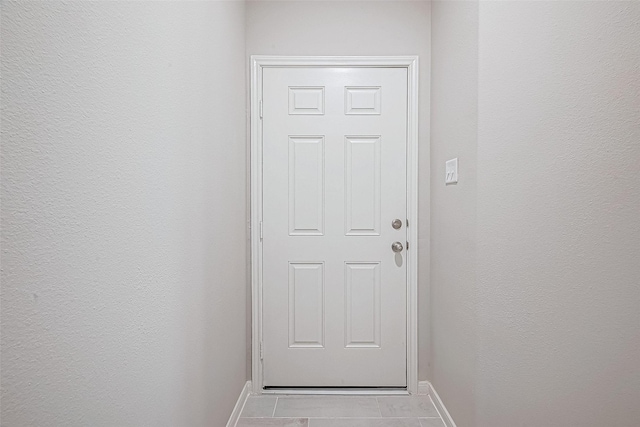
(306, 185)
(334, 178)
(362, 308)
(306, 304)
(362, 185)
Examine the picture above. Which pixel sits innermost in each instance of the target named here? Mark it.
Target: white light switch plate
(451, 171)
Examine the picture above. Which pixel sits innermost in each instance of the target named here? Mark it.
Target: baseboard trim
(423, 388)
(437, 402)
(237, 410)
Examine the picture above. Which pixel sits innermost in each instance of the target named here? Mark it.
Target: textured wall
(548, 319)
(454, 128)
(123, 207)
(358, 28)
(559, 214)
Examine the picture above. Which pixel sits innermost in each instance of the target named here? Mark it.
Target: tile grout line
(378, 403)
(364, 418)
(274, 408)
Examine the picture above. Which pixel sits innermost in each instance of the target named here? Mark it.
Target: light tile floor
(339, 411)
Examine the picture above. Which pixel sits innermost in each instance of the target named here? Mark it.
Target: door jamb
(258, 63)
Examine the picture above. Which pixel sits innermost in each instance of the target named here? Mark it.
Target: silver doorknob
(397, 247)
(396, 223)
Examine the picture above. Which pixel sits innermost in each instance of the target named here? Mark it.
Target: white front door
(334, 181)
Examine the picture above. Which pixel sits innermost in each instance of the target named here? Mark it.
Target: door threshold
(354, 391)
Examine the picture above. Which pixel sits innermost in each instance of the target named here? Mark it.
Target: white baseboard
(437, 402)
(423, 388)
(237, 410)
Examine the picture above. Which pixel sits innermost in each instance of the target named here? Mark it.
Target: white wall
(454, 129)
(554, 306)
(559, 214)
(358, 28)
(123, 207)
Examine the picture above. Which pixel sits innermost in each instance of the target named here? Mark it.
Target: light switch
(451, 171)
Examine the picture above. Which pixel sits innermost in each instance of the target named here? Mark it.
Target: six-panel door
(334, 179)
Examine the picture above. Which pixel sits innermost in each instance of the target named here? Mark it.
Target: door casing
(258, 63)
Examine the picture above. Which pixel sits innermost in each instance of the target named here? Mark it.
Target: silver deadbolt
(396, 223)
(397, 247)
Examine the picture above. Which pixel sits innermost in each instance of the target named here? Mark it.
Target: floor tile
(273, 422)
(407, 406)
(431, 422)
(327, 406)
(364, 422)
(259, 406)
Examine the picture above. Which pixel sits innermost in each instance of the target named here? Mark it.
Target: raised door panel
(362, 304)
(362, 185)
(306, 185)
(306, 304)
(362, 100)
(306, 100)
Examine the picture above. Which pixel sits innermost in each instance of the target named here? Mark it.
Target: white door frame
(258, 63)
